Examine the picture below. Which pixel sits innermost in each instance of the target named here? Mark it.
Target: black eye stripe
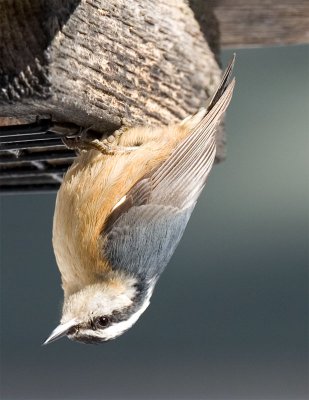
(100, 322)
(119, 316)
(103, 321)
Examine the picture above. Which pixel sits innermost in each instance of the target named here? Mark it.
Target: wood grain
(104, 63)
(251, 23)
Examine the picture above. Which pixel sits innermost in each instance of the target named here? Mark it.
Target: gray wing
(143, 232)
(143, 239)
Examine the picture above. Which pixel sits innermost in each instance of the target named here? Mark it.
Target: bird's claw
(105, 146)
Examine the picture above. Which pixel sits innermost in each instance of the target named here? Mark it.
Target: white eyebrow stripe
(120, 327)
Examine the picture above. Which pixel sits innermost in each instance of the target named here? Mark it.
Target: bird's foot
(106, 146)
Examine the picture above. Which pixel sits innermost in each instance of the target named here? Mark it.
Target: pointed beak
(60, 331)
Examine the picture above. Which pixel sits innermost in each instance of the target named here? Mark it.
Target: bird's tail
(191, 121)
(223, 84)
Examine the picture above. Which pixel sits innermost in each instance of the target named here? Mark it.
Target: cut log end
(104, 64)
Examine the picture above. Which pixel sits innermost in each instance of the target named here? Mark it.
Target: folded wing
(144, 230)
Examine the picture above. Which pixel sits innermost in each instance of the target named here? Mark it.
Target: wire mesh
(33, 157)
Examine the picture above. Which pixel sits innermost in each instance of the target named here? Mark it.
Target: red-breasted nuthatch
(120, 213)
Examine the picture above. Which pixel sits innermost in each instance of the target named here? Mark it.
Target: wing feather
(187, 168)
(144, 230)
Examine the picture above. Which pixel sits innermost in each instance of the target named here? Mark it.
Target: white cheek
(117, 329)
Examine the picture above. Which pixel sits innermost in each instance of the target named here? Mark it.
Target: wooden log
(251, 23)
(104, 63)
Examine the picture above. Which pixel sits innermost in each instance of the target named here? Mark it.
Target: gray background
(229, 317)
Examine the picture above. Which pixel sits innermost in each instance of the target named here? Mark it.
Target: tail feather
(192, 121)
(223, 84)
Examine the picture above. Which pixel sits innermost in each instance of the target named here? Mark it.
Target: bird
(120, 213)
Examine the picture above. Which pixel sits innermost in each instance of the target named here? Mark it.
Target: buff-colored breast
(91, 188)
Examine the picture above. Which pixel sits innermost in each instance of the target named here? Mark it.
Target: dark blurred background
(229, 317)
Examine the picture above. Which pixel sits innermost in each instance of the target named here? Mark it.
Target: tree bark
(104, 63)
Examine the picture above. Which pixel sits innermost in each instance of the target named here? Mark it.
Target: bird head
(102, 311)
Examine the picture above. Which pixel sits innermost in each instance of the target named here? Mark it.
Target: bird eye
(102, 322)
